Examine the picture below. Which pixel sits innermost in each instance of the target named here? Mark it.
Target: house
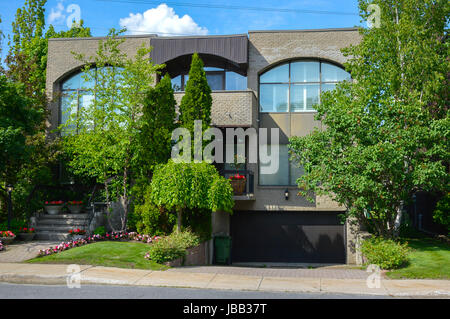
(263, 79)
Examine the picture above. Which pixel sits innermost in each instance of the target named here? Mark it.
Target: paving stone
(290, 284)
(173, 279)
(111, 275)
(235, 282)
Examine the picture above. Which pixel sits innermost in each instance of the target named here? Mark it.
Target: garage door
(297, 237)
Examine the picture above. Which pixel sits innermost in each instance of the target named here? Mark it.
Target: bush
(100, 231)
(150, 219)
(441, 214)
(387, 254)
(173, 246)
(15, 225)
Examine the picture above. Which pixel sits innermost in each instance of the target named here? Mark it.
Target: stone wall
(231, 108)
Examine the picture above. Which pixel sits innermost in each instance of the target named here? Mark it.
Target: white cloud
(57, 14)
(163, 21)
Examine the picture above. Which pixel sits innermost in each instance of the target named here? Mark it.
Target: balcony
(248, 193)
(231, 108)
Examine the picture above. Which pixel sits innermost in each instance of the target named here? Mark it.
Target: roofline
(105, 37)
(155, 36)
(201, 36)
(305, 30)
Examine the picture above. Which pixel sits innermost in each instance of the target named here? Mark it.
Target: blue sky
(186, 17)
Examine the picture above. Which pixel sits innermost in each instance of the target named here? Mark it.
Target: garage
(287, 237)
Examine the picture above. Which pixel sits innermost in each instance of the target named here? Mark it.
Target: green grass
(429, 259)
(107, 253)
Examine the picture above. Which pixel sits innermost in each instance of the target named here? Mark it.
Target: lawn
(429, 259)
(107, 253)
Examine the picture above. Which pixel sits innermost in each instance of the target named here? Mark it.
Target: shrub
(441, 214)
(387, 254)
(151, 219)
(100, 231)
(15, 225)
(172, 247)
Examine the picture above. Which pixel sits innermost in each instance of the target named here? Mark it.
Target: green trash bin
(222, 250)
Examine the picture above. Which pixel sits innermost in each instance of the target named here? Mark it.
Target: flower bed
(1, 246)
(113, 236)
(7, 237)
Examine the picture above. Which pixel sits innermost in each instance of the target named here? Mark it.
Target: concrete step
(62, 222)
(65, 216)
(58, 228)
(50, 235)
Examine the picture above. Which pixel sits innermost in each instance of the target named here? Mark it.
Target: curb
(63, 280)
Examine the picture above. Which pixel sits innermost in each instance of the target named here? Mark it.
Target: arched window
(75, 93)
(77, 90)
(296, 86)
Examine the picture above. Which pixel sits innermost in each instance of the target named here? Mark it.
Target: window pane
(278, 74)
(281, 177)
(72, 82)
(333, 73)
(305, 72)
(176, 83)
(215, 81)
(274, 97)
(304, 96)
(210, 68)
(86, 99)
(235, 81)
(328, 87)
(69, 105)
(185, 78)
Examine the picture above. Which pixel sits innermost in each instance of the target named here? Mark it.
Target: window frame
(222, 72)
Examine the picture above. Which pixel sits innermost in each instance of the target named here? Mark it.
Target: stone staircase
(56, 227)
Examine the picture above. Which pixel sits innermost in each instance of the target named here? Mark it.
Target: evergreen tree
(197, 101)
(157, 124)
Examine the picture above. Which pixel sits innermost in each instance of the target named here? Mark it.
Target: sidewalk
(213, 277)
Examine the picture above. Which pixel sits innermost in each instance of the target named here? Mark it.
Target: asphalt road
(17, 291)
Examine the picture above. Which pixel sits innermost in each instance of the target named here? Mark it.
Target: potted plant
(7, 237)
(238, 183)
(77, 233)
(54, 207)
(75, 206)
(27, 234)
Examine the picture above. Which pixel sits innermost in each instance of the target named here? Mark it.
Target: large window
(76, 91)
(218, 79)
(288, 171)
(296, 86)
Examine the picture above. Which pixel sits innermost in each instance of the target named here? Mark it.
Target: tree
(158, 122)
(181, 187)
(18, 119)
(386, 133)
(26, 63)
(197, 101)
(101, 140)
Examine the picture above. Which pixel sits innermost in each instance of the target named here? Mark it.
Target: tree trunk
(108, 206)
(179, 218)
(124, 200)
